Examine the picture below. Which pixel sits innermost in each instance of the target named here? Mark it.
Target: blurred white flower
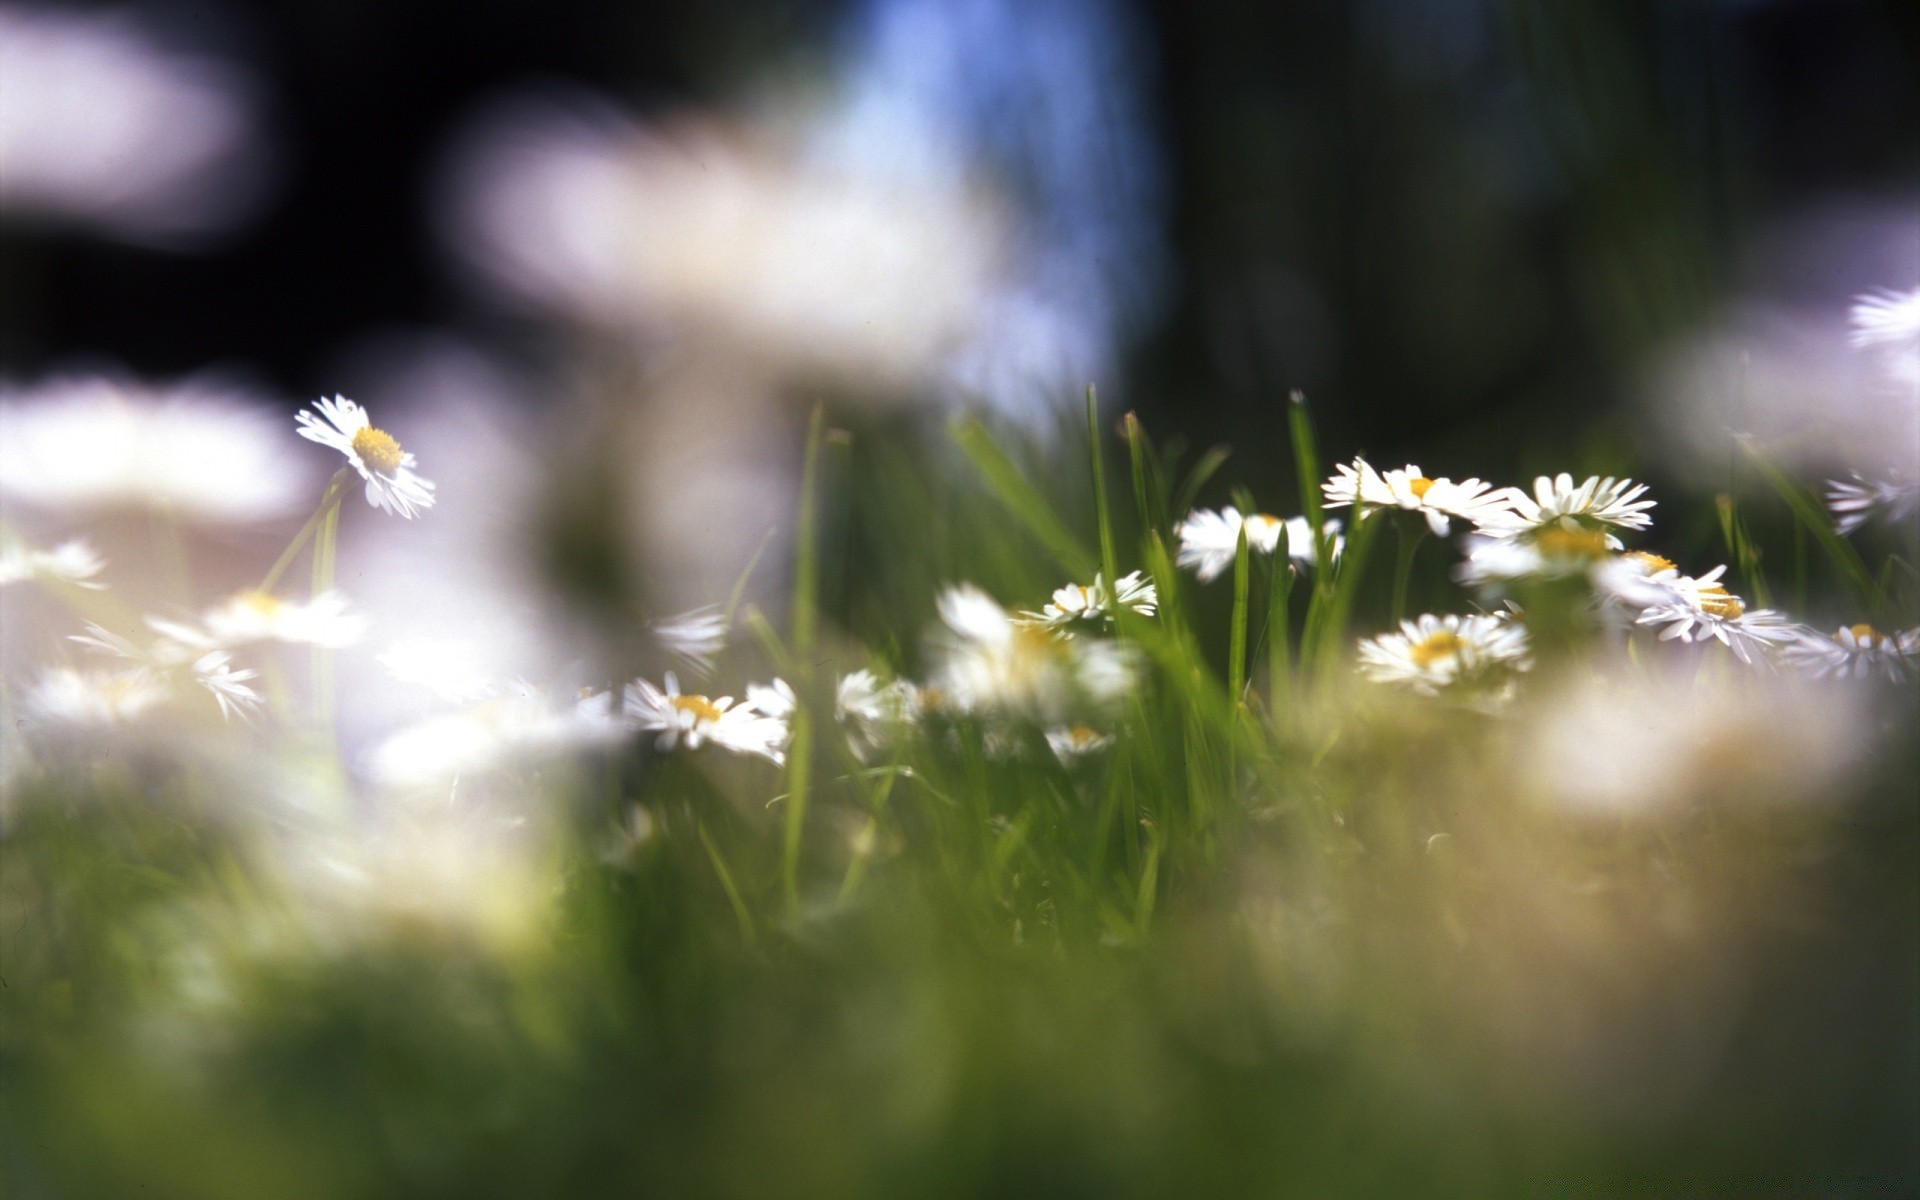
(447, 667)
(228, 687)
(1645, 742)
(1359, 484)
(577, 208)
(103, 126)
(66, 696)
(1074, 603)
(521, 727)
(1073, 742)
(95, 442)
(678, 717)
(1887, 318)
(1209, 540)
(72, 561)
(1706, 610)
(1560, 503)
(392, 483)
(1432, 653)
(256, 616)
(991, 662)
(1854, 504)
(874, 713)
(1856, 652)
(695, 637)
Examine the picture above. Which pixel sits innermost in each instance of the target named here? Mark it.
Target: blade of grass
(1237, 651)
(1812, 514)
(1109, 560)
(740, 913)
(1020, 498)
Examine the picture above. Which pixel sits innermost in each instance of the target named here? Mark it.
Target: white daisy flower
(1854, 504)
(523, 726)
(73, 562)
(1856, 652)
(1358, 484)
(1559, 552)
(65, 696)
(694, 719)
(989, 661)
(1887, 318)
(388, 470)
(1705, 609)
(194, 450)
(1073, 742)
(874, 713)
(1209, 539)
(1637, 580)
(774, 699)
(695, 637)
(256, 616)
(1075, 604)
(163, 652)
(1432, 653)
(1559, 502)
(227, 686)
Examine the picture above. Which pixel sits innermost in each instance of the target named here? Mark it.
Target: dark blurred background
(1458, 224)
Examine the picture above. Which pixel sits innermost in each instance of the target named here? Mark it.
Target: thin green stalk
(1409, 546)
(740, 913)
(1306, 464)
(1140, 456)
(325, 550)
(1279, 651)
(806, 592)
(329, 500)
(1237, 652)
(1109, 561)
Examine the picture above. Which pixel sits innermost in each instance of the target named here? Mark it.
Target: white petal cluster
(1704, 610)
(1209, 539)
(1077, 604)
(250, 617)
(66, 696)
(1560, 502)
(990, 662)
(392, 483)
(1863, 500)
(521, 726)
(1887, 318)
(695, 638)
(1359, 485)
(1432, 654)
(1856, 652)
(685, 718)
(71, 562)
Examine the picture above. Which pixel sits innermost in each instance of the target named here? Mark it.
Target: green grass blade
(1813, 514)
(1020, 498)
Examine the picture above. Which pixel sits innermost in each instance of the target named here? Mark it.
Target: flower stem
(1409, 545)
(329, 502)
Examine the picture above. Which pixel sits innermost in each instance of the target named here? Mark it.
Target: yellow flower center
(1418, 485)
(261, 603)
(1434, 647)
(1716, 602)
(1652, 562)
(1866, 635)
(1082, 736)
(1571, 541)
(702, 708)
(1262, 523)
(377, 449)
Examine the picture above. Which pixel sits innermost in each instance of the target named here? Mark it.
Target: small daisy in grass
(1856, 652)
(65, 696)
(1887, 318)
(228, 687)
(1704, 609)
(388, 470)
(683, 717)
(1432, 653)
(521, 726)
(1557, 552)
(1854, 504)
(1209, 539)
(1560, 503)
(73, 562)
(1073, 742)
(695, 637)
(874, 713)
(1075, 604)
(256, 616)
(1438, 500)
